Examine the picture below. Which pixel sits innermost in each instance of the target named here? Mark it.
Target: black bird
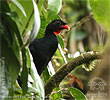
(43, 49)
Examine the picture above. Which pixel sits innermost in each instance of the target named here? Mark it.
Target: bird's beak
(65, 27)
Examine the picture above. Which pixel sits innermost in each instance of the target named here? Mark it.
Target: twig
(55, 80)
(82, 21)
(63, 89)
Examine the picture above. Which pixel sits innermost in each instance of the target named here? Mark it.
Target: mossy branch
(55, 80)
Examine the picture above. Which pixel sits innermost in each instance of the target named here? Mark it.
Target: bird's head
(57, 26)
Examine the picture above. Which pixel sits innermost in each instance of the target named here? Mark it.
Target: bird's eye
(58, 22)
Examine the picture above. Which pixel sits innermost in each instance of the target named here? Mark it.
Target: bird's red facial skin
(58, 32)
(64, 27)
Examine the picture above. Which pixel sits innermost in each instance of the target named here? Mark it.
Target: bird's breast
(50, 45)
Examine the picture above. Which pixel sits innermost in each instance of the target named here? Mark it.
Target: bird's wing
(40, 57)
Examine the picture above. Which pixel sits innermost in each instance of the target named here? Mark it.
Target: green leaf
(48, 72)
(44, 22)
(56, 96)
(16, 48)
(36, 25)
(10, 36)
(45, 75)
(13, 26)
(32, 90)
(24, 73)
(54, 8)
(77, 94)
(60, 58)
(40, 5)
(37, 81)
(101, 11)
(14, 16)
(43, 25)
(26, 23)
(19, 6)
(12, 63)
(44, 13)
(60, 40)
(28, 58)
(57, 17)
(4, 6)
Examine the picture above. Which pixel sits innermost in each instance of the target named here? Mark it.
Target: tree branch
(55, 80)
(82, 21)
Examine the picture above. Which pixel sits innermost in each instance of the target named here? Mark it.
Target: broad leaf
(24, 23)
(13, 63)
(24, 73)
(45, 75)
(44, 23)
(4, 7)
(13, 27)
(54, 8)
(101, 11)
(56, 96)
(40, 5)
(60, 58)
(77, 94)
(19, 6)
(37, 81)
(28, 58)
(36, 25)
(48, 72)
(60, 40)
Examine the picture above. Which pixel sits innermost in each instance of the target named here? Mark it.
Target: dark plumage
(43, 49)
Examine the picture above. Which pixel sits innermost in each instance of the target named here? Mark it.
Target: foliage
(54, 8)
(77, 94)
(23, 21)
(101, 12)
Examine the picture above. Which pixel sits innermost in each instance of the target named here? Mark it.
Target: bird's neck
(50, 36)
(49, 33)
